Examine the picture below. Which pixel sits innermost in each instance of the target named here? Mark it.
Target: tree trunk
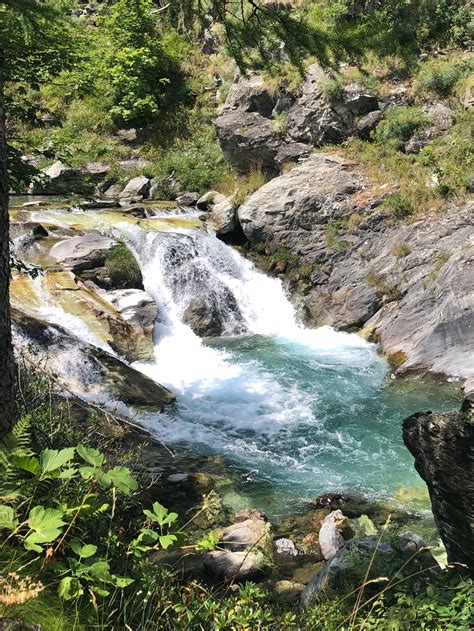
(7, 363)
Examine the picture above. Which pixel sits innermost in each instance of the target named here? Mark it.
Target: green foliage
(399, 205)
(333, 232)
(438, 77)
(400, 124)
(142, 66)
(122, 268)
(333, 90)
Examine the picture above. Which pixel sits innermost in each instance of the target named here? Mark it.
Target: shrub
(400, 124)
(401, 250)
(438, 77)
(122, 268)
(399, 205)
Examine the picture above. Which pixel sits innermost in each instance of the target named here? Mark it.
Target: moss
(123, 269)
(396, 359)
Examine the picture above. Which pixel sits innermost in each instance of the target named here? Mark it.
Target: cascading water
(299, 411)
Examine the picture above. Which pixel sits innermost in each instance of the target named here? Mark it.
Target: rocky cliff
(409, 286)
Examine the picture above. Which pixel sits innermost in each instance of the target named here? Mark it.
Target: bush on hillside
(438, 77)
(400, 124)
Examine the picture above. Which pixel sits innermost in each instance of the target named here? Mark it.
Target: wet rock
(137, 186)
(206, 200)
(330, 538)
(187, 199)
(227, 564)
(406, 554)
(247, 140)
(84, 252)
(86, 368)
(248, 513)
(112, 191)
(305, 573)
(204, 314)
(443, 448)
(137, 307)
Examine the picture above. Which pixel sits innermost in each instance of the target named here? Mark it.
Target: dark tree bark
(7, 363)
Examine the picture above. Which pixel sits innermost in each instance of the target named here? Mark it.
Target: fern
(17, 444)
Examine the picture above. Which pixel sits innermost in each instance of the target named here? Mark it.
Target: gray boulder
(87, 251)
(251, 95)
(206, 314)
(358, 100)
(137, 186)
(187, 199)
(60, 178)
(223, 215)
(330, 538)
(248, 140)
(405, 555)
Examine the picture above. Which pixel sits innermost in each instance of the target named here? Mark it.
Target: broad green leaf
(87, 472)
(100, 570)
(105, 480)
(167, 540)
(91, 456)
(121, 581)
(27, 463)
(46, 524)
(83, 551)
(52, 459)
(8, 519)
(99, 590)
(70, 588)
(122, 479)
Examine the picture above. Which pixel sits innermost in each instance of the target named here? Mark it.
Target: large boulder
(83, 368)
(136, 187)
(295, 207)
(441, 119)
(443, 448)
(84, 252)
(223, 215)
(251, 94)
(405, 555)
(248, 140)
(205, 314)
(59, 178)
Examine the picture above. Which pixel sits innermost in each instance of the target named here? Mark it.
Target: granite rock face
(409, 285)
(443, 448)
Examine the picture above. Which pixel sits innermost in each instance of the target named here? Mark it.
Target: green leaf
(122, 479)
(167, 540)
(8, 519)
(52, 459)
(68, 474)
(159, 513)
(46, 524)
(122, 581)
(27, 463)
(91, 456)
(83, 551)
(100, 570)
(70, 588)
(87, 472)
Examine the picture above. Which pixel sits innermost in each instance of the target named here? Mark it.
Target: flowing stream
(299, 411)
(295, 411)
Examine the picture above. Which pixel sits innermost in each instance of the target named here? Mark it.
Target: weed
(439, 77)
(401, 250)
(399, 125)
(399, 205)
